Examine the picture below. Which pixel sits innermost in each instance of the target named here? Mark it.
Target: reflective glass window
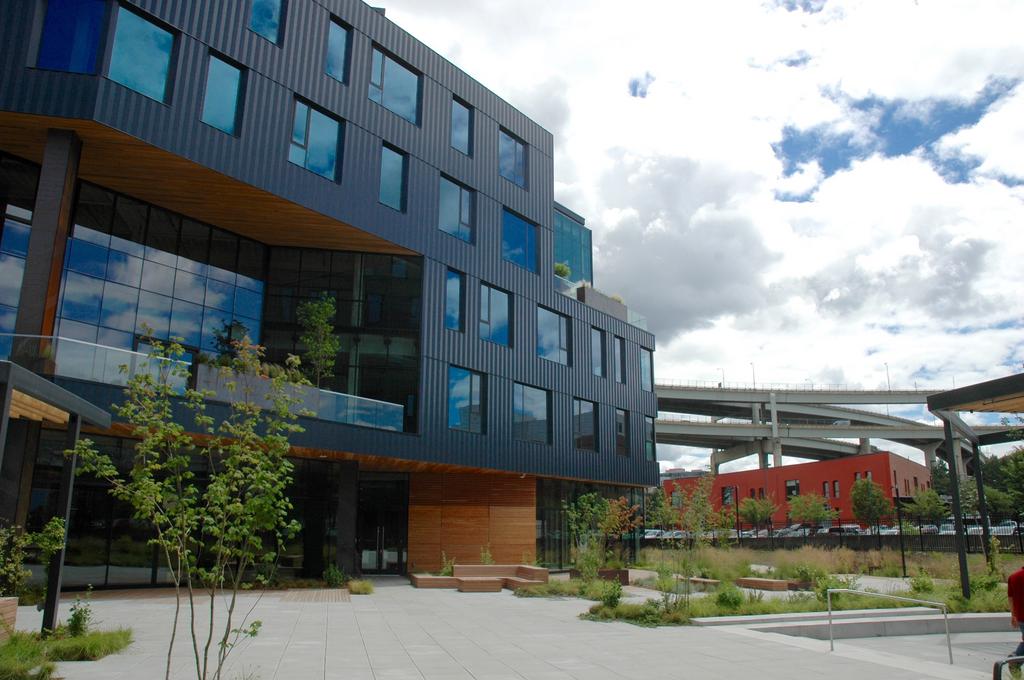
(573, 248)
(462, 127)
(650, 447)
(519, 241)
(15, 238)
(394, 87)
(119, 306)
(12, 270)
(646, 369)
(465, 400)
(621, 432)
(158, 278)
(154, 313)
(223, 87)
(584, 424)
(87, 258)
(82, 298)
(315, 141)
(619, 360)
(455, 212)
(392, 177)
(454, 302)
(531, 414)
(141, 57)
(511, 158)
(337, 50)
(71, 35)
(597, 360)
(266, 18)
(494, 315)
(552, 336)
(186, 322)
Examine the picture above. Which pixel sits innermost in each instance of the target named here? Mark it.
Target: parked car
(888, 531)
(652, 533)
(946, 530)
(794, 530)
(929, 529)
(845, 530)
(1007, 527)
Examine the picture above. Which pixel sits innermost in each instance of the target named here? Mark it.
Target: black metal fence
(912, 534)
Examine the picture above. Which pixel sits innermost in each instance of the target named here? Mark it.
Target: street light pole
(888, 385)
(753, 376)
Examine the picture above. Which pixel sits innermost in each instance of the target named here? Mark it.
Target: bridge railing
(781, 386)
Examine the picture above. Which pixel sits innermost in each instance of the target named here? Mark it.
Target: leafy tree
(1000, 502)
(322, 345)
(926, 505)
(584, 519)
(660, 512)
(209, 538)
(811, 508)
(1013, 476)
(698, 515)
(757, 511)
(869, 501)
(940, 477)
(13, 544)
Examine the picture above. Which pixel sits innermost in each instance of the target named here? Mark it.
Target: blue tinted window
(119, 305)
(392, 178)
(584, 424)
(158, 278)
(337, 51)
(650, 447)
(223, 85)
(154, 313)
(462, 127)
(12, 270)
(552, 336)
(454, 303)
(573, 248)
(123, 268)
(87, 258)
(394, 87)
(186, 322)
(620, 360)
(315, 141)
(646, 369)
(266, 18)
(82, 298)
(465, 400)
(455, 210)
(141, 58)
(71, 35)
(531, 414)
(511, 158)
(15, 238)
(494, 315)
(597, 361)
(519, 241)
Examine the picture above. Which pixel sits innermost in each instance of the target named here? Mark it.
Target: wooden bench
(479, 584)
(8, 612)
(762, 583)
(484, 578)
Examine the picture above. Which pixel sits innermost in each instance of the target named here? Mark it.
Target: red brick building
(832, 479)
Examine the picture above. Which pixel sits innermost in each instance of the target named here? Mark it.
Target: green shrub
(22, 658)
(729, 596)
(551, 589)
(985, 583)
(607, 592)
(447, 565)
(823, 584)
(81, 617)
(808, 573)
(27, 656)
(88, 647)
(485, 555)
(922, 582)
(334, 577)
(360, 587)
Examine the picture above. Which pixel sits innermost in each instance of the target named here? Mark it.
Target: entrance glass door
(382, 523)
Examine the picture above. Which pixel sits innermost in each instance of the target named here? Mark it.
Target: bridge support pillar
(864, 446)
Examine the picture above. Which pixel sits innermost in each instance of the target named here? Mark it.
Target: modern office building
(197, 169)
(831, 479)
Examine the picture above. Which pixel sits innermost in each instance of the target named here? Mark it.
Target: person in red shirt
(1015, 591)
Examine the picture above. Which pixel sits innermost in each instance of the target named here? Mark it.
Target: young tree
(757, 511)
(660, 512)
(209, 538)
(811, 508)
(869, 502)
(927, 506)
(322, 345)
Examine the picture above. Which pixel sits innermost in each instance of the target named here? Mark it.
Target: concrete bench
(762, 583)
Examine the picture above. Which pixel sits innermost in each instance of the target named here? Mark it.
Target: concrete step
(810, 616)
(931, 624)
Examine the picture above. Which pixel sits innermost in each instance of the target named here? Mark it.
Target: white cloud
(997, 141)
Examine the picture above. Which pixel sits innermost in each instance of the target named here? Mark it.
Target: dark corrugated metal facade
(276, 74)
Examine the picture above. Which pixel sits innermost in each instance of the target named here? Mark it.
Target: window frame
(282, 16)
(508, 313)
(236, 131)
(457, 101)
(619, 359)
(404, 179)
(646, 372)
(650, 442)
(102, 31)
(172, 59)
(528, 237)
(622, 440)
(518, 411)
(577, 432)
(381, 87)
(564, 336)
(346, 59)
(600, 334)
(521, 175)
(466, 195)
(339, 141)
(481, 406)
(456, 275)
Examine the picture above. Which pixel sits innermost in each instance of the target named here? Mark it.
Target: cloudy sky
(802, 190)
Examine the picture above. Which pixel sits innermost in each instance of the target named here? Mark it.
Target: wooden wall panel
(460, 513)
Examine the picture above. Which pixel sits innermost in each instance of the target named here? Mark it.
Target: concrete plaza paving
(401, 633)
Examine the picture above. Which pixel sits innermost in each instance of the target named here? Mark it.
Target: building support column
(55, 571)
(957, 464)
(929, 455)
(864, 446)
(345, 518)
(51, 226)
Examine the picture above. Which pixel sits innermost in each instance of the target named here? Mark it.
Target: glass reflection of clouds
(220, 104)
(531, 408)
(266, 18)
(141, 56)
(519, 241)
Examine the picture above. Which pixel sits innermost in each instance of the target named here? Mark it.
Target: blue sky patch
(638, 86)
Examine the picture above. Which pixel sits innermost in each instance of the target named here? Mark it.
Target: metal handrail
(997, 667)
(927, 603)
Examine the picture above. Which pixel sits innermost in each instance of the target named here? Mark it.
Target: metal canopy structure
(1002, 395)
(25, 395)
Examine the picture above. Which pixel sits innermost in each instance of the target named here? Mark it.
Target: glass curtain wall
(554, 544)
(18, 180)
(573, 248)
(378, 302)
